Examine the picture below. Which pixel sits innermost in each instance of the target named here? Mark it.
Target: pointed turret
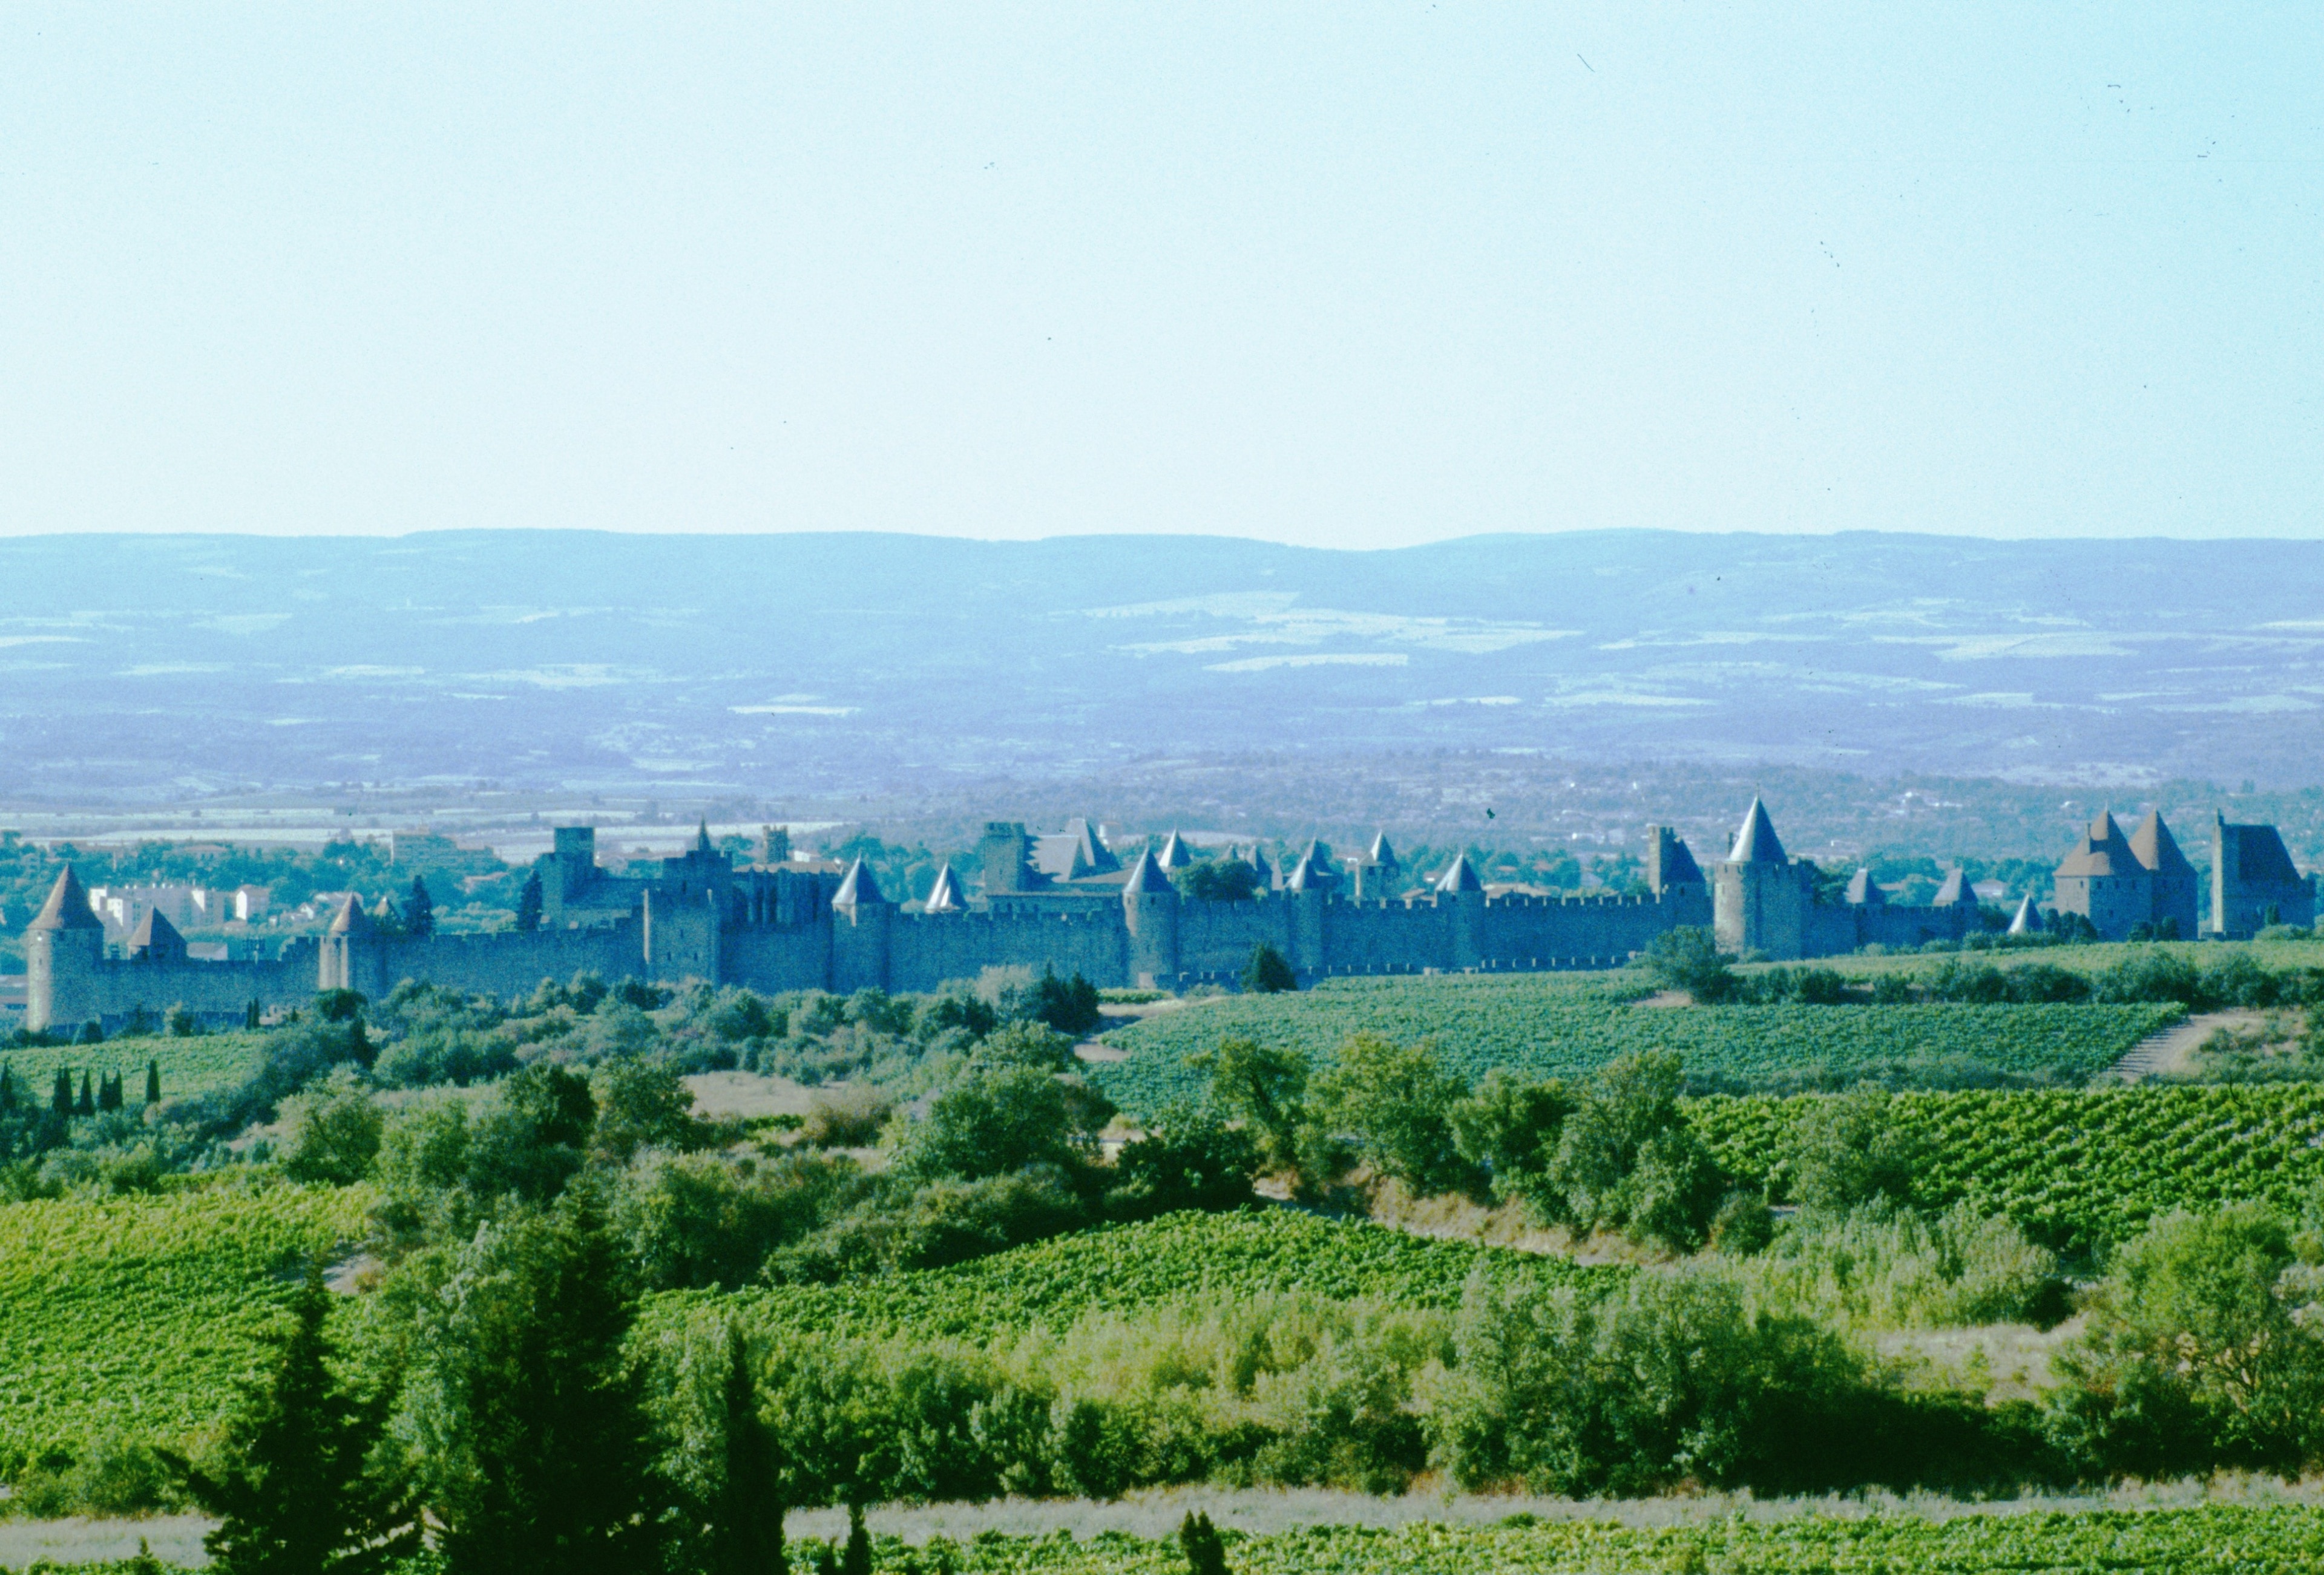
(1460, 877)
(1313, 872)
(1175, 854)
(352, 920)
(2153, 847)
(2102, 850)
(859, 889)
(702, 835)
(1146, 876)
(68, 907)
(1382, 856)
(1954, 890)
(1257, 859)
(1757, 843)
(2025, 921)
(1863, 891)
(945, 896)
(156, 939)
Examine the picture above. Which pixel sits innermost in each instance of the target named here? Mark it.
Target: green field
(135, 1316)
(2228, 1539)
(1553, 1024)
(188, 1067)
(2075, 1165)
(1180, 1259)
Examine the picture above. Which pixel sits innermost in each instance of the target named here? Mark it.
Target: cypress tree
(543, 1454)
(528, 904)
(7, 1087)
(855, 1558)
(746, 1519)
(299, 1495)
(420, 910)
(86, 1104)
(108, 1091)
(61, 1096)
(1199, 1540)
(153, 1082)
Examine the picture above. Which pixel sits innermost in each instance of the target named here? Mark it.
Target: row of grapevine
(138, 1315)
(2225, 1539)
(2074, 1165)
(1548, 1025)
(1178, 1259)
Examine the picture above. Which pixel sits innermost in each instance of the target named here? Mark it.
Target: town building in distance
(1070, 904)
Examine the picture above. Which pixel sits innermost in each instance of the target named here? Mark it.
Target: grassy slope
(188, 1067)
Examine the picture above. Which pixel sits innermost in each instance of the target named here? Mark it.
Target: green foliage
(184, 1287)
(994, 1120)
(849, 1115)
(1178, 1259)
(1554, 1026)
(1266, 972)
(333, 1132)
(1847, 1150)
(2073, 1167)
(532, 1419)
(2202, 1350)
(1509, 1127)
(1189, 1159)
(1267, 1091)
(1217, 881)
(1626, 1160)
(1880, 1267)
(1399, 1103)
(1199, 1541)
(1689, 959)
(2209, 1539)
(1067, 1005)
(745, 1517)
(299, 1493)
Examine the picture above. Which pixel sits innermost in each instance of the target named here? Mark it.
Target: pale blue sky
(1342, 275)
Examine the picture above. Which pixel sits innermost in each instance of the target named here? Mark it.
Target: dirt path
(2172, 1050)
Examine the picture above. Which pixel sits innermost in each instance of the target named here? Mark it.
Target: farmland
(188, 1067)
(1549, 1025)
(2247, 1540)
(1178, 1259)
(138, 1315)
(2074, 1165)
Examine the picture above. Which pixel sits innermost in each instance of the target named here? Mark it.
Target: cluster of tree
(1689, 959)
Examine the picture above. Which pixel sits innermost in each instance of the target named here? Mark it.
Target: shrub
(850, 1115)
(1689, 959)
(1266, 972)
(1397, 1101)
(335, 1130)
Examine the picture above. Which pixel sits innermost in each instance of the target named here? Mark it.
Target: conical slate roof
(1175, 854)
(1257, 859)
(1460, 877)
(1757, 843)
(702, 836)
(858, 888)
(2103, 849)
(2153, 847)
(2025, 921)
(1953, 891)
(1146, 876)
(945, 896)
(1863, 891)
(352, 920)
(68, 907)
(157, 937)
(1382, 856)
(1314, 871)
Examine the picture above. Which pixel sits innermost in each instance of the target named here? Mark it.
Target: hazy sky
(1354, 275)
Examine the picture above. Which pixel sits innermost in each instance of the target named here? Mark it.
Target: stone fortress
(1067, 903)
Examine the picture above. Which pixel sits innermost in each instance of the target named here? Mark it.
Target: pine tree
(543, 1452)
(86, 1104)
(528, 904)
(746, 1519)
(419, 910)
(300, 1497)
(153, 1082)
(60, 1095)
(855, 1558)
(1199, 1540)
(1266, 972)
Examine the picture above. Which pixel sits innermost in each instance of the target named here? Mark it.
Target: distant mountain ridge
(149, 666)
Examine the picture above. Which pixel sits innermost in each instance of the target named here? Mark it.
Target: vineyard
(188, 1067)
(1178, 1260)
(1549, 1025)
(2244, 1540)
(2075, 1165)
(138, 1315)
